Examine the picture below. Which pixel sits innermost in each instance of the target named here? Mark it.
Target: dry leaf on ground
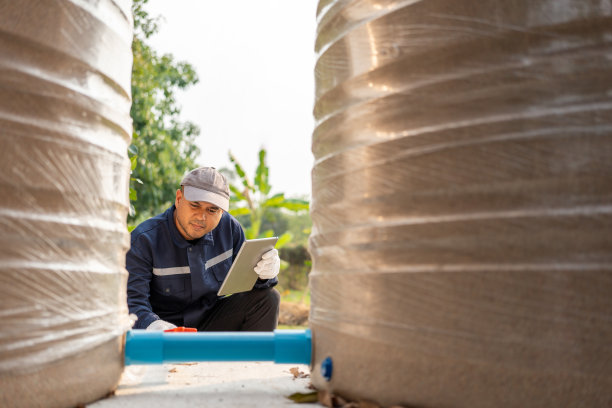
(297, 373)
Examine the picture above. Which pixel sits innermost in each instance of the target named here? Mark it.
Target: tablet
(241, 276)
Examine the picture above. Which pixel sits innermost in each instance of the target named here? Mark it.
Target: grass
(296, 296)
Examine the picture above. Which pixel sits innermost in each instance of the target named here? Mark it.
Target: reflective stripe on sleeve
(218, 258)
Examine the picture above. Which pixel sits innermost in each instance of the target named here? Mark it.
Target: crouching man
(178, 260)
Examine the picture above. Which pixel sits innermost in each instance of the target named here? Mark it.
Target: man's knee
(267, 295)
(263, 312)
(273, 305)
(273, 297)
(268, 299)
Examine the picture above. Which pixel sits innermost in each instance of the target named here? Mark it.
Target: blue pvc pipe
(157, 347)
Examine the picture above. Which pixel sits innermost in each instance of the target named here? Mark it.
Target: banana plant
(253, 198)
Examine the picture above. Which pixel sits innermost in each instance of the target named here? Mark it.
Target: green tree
(163, 147)
(253, 199)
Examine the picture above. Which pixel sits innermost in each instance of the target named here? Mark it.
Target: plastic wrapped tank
(462, 202)
(64, 131)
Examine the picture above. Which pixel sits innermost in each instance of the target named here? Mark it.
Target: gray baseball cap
(207, 184)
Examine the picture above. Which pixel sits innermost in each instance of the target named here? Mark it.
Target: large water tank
(462, 202)
(64, 129)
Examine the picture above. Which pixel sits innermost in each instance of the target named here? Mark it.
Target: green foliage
(133, 162)
(295, 276)
(253, 202)
(163, 147)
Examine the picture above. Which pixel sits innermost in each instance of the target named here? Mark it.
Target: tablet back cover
(241, 276)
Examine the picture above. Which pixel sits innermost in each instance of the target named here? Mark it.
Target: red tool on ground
(182, 329)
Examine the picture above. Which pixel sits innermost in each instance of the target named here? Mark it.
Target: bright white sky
(255, 61)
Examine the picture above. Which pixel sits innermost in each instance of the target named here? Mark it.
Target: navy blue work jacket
(177, 280)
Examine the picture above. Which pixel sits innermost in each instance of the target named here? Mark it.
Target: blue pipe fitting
(157, 347)
(327, 368)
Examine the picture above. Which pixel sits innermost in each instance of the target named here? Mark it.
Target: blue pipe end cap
(293, 346)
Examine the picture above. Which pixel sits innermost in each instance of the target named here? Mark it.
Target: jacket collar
(178, 239)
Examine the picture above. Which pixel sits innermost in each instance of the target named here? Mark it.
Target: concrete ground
(210, 384)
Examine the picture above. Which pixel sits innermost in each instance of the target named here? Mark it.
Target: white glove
(269, 265)
(160, 325)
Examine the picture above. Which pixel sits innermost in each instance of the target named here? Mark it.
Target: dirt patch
(293, 314)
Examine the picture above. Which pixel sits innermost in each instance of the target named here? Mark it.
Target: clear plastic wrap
(64, 131)
(462, 202)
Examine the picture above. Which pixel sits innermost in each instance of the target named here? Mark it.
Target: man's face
(194, 219)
